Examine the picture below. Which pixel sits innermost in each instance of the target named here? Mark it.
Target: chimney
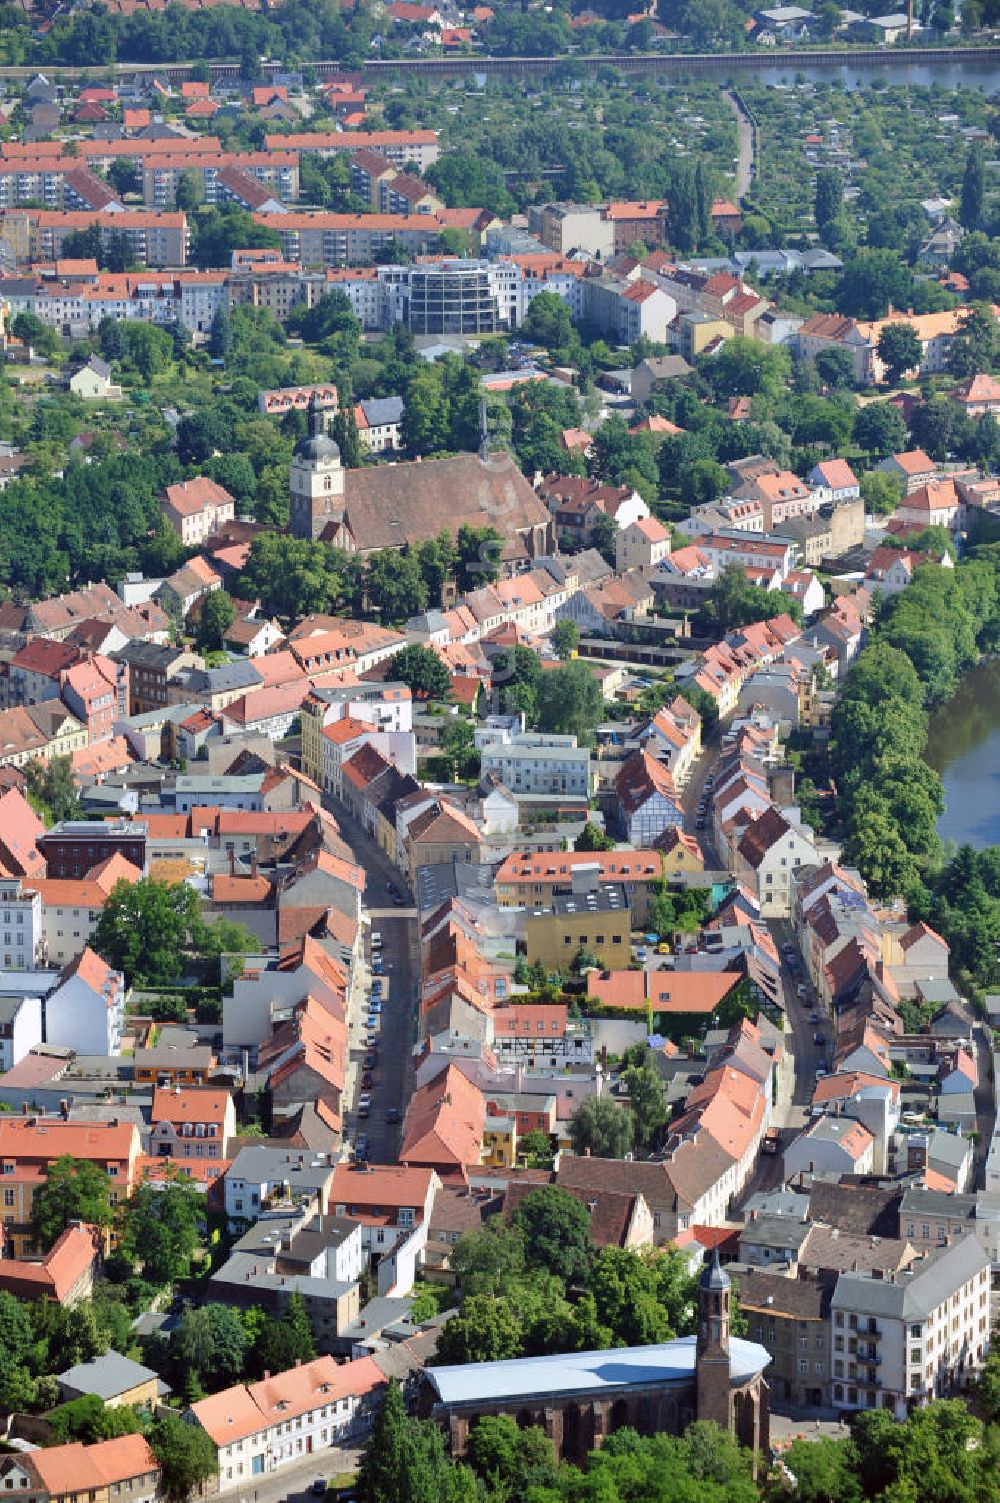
(253, 864)
(64, 1108)
(41, 1111)
(24, 1108)
(232, 863)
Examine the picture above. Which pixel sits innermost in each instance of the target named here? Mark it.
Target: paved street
(294, 1481)
(392, 1076)
(691, 796)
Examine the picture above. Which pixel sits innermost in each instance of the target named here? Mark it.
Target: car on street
(814, 1017)
(699, 823)
(802, 990)
(361, 1146)
(370, 1039)
(367, 1079)
(818, 1039)
(375, 1005)
(398, 901)
(364, 1103)
(371, 1022)
(392, 1114)
(319, 1487)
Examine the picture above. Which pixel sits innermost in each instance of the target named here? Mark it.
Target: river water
(965, 74)
(964, 746)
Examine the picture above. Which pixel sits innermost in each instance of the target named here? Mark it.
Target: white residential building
(20, 1027)
(906, 1338)
(86, 1011)
(21, 930)
(537, 764)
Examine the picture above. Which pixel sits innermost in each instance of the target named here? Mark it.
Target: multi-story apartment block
(322, 239)
(532, 763)
(22, 945)
(912, 1337)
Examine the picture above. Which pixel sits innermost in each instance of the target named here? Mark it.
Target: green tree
(556, 1230)
(394, 582)
(185, 1452)
(52, 789)
(405, 1461)
(565, 638)
(73, 1190)
(593, 838)
(345, 434)
(570, 701)
(548, 321)
(879, 428)
(973, 187)
(220, 334)
(871, 280)
(829, 195)
(899, 349)
(285, 1342)
(295, 576)
(835, 368)
(746, 367)
(974, 347)
(478, 551)
(485, 1329)
(161, 1229)
(644, 1088)
(210, 1342)
(16, 1337)
(422, 670)
(508, 1460)
(881, 491)
(216, 617)
(824, 1471)
(145, 927)
(601, 1127)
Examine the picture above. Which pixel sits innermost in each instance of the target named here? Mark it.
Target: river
(966, 74)
(964, 746)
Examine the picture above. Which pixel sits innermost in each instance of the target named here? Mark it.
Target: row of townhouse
(123, 1470)
(258, 1428)
(77, 306)
(722, 670)
(935, 332)
(529, 602)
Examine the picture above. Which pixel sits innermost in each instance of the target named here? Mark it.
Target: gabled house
(86, 1011)
(647, 799)
(771, 851)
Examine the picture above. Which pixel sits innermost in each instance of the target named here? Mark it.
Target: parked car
(814, 1017)
(361, 1146)
(371, 1023)
(370, 1060)
(802, 989)
(370, 1040)
(364, 1104)
(319, 1487)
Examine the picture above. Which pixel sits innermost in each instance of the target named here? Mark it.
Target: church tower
(712, 1366)
(316, 479)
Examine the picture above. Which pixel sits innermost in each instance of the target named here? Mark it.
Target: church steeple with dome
(316, 479)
